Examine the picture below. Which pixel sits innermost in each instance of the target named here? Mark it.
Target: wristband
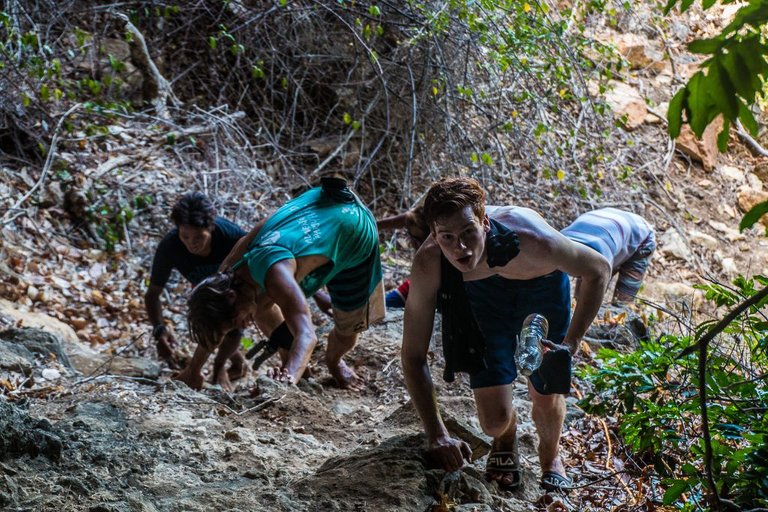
(159, 330)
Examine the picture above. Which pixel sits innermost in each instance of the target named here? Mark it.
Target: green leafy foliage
(731, 78)
(753, 216)
(33, 70)
(111, 220)
(655, 394)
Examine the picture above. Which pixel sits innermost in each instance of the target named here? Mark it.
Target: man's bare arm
(417, 332)
(281, 286)
(241, 247)
(595, 272)
(153, 305)
(393, 222)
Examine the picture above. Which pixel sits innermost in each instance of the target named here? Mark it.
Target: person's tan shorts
(358, 320)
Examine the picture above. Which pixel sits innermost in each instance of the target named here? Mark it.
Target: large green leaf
(675, 112)
(685, 4)
(723, 136)
(752, 52)
(706, 46)
(753, 215)
(722, 91)
(747, 119)
(699, 104)
(754, 13)
(674, 491)
(669, 6)
(740, 76)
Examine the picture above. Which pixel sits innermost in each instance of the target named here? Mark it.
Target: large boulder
(392, 476)
(10, 313)
(397, 475)
(45, 334)
(673, 293)
(20, 434)
(673, 245)
(36, 341)
(15, 358)
(640, 52)
(748, 197)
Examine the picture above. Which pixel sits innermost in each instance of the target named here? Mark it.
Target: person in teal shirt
(324, 237)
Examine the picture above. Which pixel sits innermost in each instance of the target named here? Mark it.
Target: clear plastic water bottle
(529, 353)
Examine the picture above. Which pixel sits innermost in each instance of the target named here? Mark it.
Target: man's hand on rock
(279, 374)
(450, 453)
(166, 343)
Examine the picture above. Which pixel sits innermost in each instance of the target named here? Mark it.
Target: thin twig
(48, 160)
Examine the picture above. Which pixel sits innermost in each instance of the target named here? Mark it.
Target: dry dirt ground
(131, 443)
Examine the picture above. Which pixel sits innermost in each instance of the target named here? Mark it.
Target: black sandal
(506, 463)
(554, 481)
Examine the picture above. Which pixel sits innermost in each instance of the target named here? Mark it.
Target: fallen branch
(749, 141)
(201, 129)
(161, 86)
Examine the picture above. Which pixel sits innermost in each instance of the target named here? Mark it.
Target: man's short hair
(449, 196)
(210, 306)
(194, 209)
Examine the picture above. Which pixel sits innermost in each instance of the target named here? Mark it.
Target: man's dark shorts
(500, 305)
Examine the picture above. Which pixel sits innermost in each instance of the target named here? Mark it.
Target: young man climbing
(324, 237)
(418, 231)
(195, 247)
(491, 269)
(625, 239)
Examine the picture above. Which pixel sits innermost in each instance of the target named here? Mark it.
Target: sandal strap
(503, 462)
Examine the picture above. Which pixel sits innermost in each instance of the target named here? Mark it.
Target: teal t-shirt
(316, 224)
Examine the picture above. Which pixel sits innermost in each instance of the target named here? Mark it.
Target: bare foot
(222, 379)
(280, 375)
(192, 379)
(345, 377)
(237, 367)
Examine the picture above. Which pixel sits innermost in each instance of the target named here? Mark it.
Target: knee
(498, 421)
(545, 405)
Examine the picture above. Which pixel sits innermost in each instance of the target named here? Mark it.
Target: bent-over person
(324, 237)
(413, 222)
(196, 247)
(624, 238)
(491, 267)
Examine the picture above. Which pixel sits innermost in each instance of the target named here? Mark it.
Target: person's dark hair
(452, 195)
(194, 209)
(209, 307)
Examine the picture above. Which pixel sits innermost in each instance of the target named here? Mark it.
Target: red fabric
(404, 288)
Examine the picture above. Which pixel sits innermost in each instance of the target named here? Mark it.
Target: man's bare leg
(338, 345)
(498, 419)
(548, 414)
